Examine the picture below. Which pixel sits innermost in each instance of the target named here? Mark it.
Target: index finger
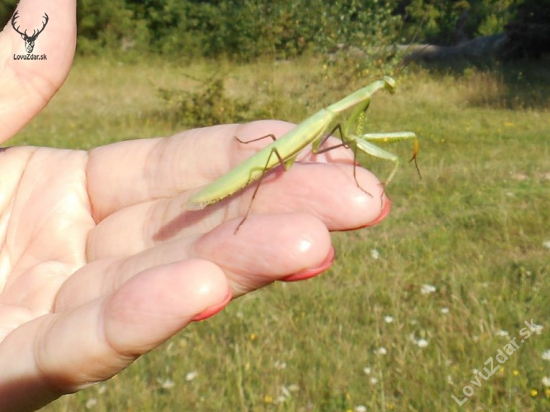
(131, 172)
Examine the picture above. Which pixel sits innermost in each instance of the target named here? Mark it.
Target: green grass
(473, 227)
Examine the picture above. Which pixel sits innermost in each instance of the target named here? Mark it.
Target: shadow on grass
(515, 85)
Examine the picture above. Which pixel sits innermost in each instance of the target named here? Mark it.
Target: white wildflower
(422, 343)
(381, 351)
(427, 289)
(280, 365)
(190, 376)
(279, 399)
(166, 384)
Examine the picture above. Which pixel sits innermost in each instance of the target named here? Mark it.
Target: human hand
(100, 263)
(26, 86)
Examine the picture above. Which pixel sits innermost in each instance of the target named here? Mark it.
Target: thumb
(29, 80)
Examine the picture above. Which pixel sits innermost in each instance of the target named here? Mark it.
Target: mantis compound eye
(390, 84)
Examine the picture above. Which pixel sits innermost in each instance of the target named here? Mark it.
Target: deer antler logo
(29, 40)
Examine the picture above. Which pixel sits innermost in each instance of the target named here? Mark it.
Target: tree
(528, 35)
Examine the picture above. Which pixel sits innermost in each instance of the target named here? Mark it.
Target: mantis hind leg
(285, 164)
(256, 139)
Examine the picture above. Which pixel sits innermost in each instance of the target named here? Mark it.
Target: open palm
(100, 262)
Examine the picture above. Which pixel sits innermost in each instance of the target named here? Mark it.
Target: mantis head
(389, 84)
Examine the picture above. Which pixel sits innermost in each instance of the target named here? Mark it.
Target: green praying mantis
(283, 151)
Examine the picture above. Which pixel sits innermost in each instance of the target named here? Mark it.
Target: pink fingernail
(309, 273)
(383, 213)
(214, 309)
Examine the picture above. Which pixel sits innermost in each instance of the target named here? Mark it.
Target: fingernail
(309, 273)
(383, 213)
(214, 309)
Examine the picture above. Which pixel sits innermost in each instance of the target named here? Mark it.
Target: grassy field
(413, 308)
